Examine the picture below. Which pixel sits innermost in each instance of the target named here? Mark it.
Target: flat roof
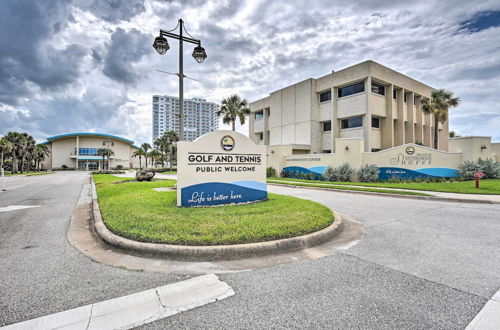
(89, 134)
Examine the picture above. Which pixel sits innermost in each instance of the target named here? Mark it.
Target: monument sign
(221, 167)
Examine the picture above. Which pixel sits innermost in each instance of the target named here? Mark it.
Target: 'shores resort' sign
(222, 167)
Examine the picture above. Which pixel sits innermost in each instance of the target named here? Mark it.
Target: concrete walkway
(445, 195)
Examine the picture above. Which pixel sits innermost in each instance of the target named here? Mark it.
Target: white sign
(222, 167)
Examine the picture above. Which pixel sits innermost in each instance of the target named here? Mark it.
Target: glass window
(261, 136)
(394, 94)
(325, 96)
(268, 112)
(259, 114)
(352, 89)
(327, 126)
(405, 98)
(378, 88)
(352, 122)
(414, 100)
(376, 122)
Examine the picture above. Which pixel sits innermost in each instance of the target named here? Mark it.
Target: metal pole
(181, 84)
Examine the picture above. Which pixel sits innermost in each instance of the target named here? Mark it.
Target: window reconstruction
(327, 126)
(352, 122)
(259, 114)
(394, 94)
(325, 96)
(375, 122)
(352, 89)
(378, 88)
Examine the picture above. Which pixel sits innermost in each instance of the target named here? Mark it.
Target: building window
(394, 94)
(378, 88)
(268, 112)
(414, 100)
(261, 136)
(405, 98)
(352, 122)
(325, 96)
(375, 122)
(327, 126)
(259, 114)
(352, 89)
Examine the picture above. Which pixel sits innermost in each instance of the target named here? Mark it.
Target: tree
(453, 134)
(171, 138)
(5, 148)
(15, 139)
(139, 153)
(156, 156)
(105, 152)
(233, 108)
(146, 147)
(437, 106)
(41, 151)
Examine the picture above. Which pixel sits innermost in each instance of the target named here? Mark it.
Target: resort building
(80, 151)
(199, 116)
(367, 101)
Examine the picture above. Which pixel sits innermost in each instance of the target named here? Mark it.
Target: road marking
(489, 317)
(136, 309)
(16, 207)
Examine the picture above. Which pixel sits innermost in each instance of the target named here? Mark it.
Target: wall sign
(221, 167)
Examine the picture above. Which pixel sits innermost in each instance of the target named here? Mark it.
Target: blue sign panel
(216, 193)
(423, 173)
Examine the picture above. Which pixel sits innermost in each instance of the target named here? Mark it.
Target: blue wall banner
(387, 173)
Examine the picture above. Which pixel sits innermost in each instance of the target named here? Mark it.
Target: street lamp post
(199, 54)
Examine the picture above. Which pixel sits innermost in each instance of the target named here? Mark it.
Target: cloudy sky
(88, 65)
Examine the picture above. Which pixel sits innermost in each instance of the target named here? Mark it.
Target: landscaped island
(136, 211)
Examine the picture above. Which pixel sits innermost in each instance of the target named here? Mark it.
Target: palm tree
(5, 148)
(146, 147)
(105, 152)
(453, 134)
(162, 146)
(15, 139)
(41, 151)
(232, 108)
(139, 153)
(156, 156)
(438, 105)
(171, 139)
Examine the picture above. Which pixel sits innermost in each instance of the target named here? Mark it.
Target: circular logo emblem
(410, 150)
(227, 143)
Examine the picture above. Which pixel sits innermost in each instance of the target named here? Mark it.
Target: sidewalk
(494, 199)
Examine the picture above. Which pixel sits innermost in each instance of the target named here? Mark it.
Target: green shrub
(64, 167)
(284, 174)
(343, 172)
(368, 173)
(270, 172)
(489, 168)
(312, 176)
(119, 167)
(466, 170)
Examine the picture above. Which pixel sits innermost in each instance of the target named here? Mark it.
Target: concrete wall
(471, 147)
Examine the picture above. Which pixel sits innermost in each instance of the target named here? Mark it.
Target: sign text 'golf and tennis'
(222, 167)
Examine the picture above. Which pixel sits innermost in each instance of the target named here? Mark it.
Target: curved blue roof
(89, 134)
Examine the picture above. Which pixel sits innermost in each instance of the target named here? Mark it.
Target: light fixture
(161, 45)
(346, 148)
(199, 54)
(483, 147)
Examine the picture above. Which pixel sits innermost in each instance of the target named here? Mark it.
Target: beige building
(79, 151)
(367, 101)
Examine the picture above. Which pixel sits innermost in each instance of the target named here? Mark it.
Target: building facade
(80, 151)
(367, 101)
(199, 116)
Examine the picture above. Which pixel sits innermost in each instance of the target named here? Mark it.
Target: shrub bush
(466, 170)
(489, 168)
(270, 172)
(119, 167)
(64, 167)
(368, 173)
(343, 172)
(284, 174)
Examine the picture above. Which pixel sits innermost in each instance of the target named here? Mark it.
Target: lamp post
(199, 54)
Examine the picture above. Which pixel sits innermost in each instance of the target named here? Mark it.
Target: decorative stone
(145, 175)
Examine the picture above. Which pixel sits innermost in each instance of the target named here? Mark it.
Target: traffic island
(136, 218)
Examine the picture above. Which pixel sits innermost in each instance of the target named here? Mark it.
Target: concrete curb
(211, 253)
(429, 198)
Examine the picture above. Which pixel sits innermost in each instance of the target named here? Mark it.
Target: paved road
(421, 265)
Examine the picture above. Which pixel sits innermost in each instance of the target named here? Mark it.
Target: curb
(211, 253)
(429, 198)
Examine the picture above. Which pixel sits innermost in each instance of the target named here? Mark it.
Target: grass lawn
(487, 187)
(9, 173)
(136, 211)
(169, 172)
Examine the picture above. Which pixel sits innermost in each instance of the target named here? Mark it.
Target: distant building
(199, 116)
(80, 151)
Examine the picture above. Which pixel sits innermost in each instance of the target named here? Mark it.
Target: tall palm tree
(139, 153)
(171, 138)
(105, 152)
(5, 148)
(41, 152)
(232, 108)
(156, 156)
(15, 139)
(162, 146)
(438, 105)
(146, 147)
